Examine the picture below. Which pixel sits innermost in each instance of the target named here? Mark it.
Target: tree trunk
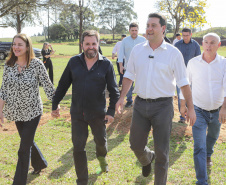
(18, 23)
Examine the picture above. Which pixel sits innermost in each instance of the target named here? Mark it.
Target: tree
(57, 31)
(21, 14)
(7, 5)
(113, 13)
(180, 11)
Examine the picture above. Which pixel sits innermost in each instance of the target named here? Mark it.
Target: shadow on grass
(67, 158)
(31, 177)
(208, 174)
(67, 163)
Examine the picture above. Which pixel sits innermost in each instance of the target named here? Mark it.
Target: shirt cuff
(129, 75)
(111, 112)
(182, 82)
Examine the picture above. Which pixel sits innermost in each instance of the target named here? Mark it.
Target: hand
(109, 119)
(119, 105)
(222, 115)
(183, 111)
(191, 116)
(122, 70)
(56, 113)
(2, 118)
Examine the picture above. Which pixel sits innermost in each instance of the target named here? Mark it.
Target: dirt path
(121, 123)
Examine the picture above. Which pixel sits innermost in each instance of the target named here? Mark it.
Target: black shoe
(129, 104)
(36, 172)
(146, 170)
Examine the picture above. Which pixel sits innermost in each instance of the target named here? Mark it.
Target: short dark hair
(90, 33)
(133, 24)
(178, 34)
(123, 35)
(186, 30)
(162, 18)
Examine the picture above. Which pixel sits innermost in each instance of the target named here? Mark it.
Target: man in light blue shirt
(126, 47)
(189, 49)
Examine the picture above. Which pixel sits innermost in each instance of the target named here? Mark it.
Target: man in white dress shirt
(154, 65)
(115, 50)
(207, 75)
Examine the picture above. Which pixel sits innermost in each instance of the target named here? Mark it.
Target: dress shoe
(36, 172)
(146, 170)
(209, 163)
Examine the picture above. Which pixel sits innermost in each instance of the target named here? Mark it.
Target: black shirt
(44, 53)
(88, 87)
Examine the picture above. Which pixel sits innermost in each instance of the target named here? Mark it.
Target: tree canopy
(115, 14)
(188, 13)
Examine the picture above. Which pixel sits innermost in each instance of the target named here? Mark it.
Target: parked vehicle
(5, 49)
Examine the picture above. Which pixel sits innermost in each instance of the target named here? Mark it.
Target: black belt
(154, 100)
(212, 111)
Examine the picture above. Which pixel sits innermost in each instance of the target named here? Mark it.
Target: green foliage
(190, 13)
(57, 31)
(115, 14)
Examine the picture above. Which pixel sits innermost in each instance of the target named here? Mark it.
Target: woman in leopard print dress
(20, 101)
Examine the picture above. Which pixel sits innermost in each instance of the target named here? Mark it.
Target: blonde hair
(30, 53)
(45, 43)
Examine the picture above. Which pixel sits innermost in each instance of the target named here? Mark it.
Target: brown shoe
(209, 163)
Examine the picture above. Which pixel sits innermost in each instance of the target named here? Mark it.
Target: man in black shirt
(89, 73)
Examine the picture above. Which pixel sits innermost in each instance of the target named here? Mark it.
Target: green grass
(54, 139)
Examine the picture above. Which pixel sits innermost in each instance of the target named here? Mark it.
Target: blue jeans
(130, 94)
(178, 99)
(204, 143)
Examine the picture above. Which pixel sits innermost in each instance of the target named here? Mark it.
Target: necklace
(22, 67)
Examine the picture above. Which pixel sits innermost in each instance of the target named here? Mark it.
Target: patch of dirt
(121, 124)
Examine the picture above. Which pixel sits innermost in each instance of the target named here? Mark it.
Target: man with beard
(89, 73)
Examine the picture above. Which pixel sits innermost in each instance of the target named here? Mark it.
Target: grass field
(54, 139)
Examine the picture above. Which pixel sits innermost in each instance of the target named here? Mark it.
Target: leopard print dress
(20, 91)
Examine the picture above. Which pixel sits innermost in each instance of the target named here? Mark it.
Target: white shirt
(116, 49)
(208, 82)
(155, 77)
(126, 47)
(175, 41)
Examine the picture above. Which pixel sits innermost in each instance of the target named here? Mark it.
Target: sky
(215, 15)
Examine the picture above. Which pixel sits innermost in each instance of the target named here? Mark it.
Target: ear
(219, 44)
(164, 29)
(191, 34)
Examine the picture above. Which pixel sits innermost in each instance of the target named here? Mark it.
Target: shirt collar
(163, 45)
(215, 60)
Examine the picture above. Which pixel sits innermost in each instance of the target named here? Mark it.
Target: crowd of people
(157, 67)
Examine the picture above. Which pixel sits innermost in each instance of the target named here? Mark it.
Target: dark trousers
(49, 66)
(79, 138)
(28, 149)
(120, 74)
(157, 115)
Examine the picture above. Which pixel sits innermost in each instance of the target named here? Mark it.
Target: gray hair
(213, 35)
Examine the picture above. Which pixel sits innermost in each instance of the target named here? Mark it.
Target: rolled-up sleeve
(179, 69)
(130, 71)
